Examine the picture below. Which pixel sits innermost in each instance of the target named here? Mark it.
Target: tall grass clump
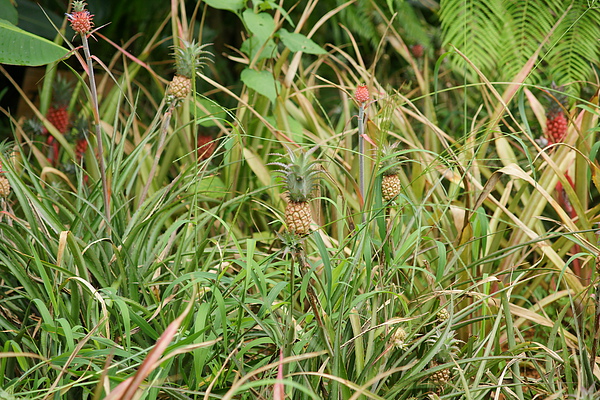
(311, 232)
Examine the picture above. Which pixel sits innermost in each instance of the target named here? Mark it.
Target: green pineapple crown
(300, 176)
(446, 344)
(62, 92)
(79, 6)
(190, 57)
(390, 160)
(557, 98)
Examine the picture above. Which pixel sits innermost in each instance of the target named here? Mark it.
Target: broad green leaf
(251, 46)
(231, 5)
(298, 42)
(211, 186)
(262, 82)
(9, 12)
(261, 25)
(18, 47)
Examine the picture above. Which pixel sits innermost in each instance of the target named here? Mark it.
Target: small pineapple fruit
(441, 377)
(390, 185)
(4, 187)
(4, 184)
(79, 136)
(80, 18)
(443, 315)
(361, 94)
(300, 179)
(447, 352)
(206, 147)
(189, 57)
(399, 338)
(556, 122)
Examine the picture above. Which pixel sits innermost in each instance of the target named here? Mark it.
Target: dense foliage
(330, 206)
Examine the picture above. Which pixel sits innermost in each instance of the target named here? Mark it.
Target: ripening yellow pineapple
(300, 178)
(390, 166)
(4, 187)
(189, 58)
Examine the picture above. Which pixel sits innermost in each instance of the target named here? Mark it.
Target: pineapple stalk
(361, 95)
(81, 22)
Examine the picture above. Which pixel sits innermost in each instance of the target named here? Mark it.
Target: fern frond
(527, 24)
(575, 47)
(474, 27)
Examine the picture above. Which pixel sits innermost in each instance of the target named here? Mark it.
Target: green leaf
(215, 112)
(18, 47)
(211, 186)
(231, 5)
(261, 25)
(9, 12)
(251, 47)
(262, 82)
(298, 42)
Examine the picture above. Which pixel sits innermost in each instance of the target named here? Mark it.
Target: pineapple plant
(556, 121)
(447, 347)
(300, 178)
(58, 115)
(390, 166)
(189, 57)
(80, 19)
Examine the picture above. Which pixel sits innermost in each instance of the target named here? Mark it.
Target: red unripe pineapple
(80, 18)
(206, 147)
(57, 114)
(556, 126)
(417, 50)
(361, 94)
(80, 148)
(556, 122)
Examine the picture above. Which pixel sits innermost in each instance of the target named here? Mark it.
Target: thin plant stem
(361, 157)
(289, 333)
(161, 145)
(97, 130)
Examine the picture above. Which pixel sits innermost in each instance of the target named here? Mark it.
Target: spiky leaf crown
(62, 92)
(557, 100)
(300, 177)
(390, 160)
(79, 6)
(189, 57)
(446, 343)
